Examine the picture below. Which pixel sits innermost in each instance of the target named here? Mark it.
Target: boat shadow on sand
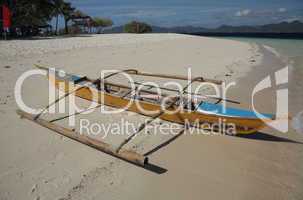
(267, 137)
(255, 136)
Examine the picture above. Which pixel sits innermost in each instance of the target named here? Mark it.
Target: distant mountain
(115, 29)
(158, 29)
(178, 29)
(283, 28)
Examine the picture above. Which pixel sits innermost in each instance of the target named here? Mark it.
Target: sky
(205, 13)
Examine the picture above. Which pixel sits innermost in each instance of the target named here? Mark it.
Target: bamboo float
(127, 155)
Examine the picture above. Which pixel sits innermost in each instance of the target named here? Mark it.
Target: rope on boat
(142, 126)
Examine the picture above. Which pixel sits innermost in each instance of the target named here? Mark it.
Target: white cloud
(242, 13)
(282, 9)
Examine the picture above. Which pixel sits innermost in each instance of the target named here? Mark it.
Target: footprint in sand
(99, 178)
(34, 191)
(34, 188)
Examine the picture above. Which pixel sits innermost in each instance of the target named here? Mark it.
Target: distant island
(292, 29)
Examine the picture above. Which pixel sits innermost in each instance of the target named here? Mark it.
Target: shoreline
(209, 166)
(244, 156)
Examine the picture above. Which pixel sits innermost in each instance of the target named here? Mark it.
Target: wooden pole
(127, 155)
(57, 100)
(201, 79)
(190, 93)
(128, 71)
(142, 126)
(136, 72)
(77, 113)
(5, 34)
(167, 142)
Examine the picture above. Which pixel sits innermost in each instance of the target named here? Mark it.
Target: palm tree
(58, 4)
(64, 9)
(67, 10)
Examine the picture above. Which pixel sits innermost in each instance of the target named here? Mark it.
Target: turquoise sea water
(288, 47)
(292, 50)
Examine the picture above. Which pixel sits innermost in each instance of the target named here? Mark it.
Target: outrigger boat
(121, 96)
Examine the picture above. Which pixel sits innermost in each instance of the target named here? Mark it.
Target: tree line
(30, 15)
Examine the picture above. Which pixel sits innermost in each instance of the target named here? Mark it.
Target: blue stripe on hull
(218, 109)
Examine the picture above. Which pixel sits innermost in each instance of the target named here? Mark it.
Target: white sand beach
(36, 163)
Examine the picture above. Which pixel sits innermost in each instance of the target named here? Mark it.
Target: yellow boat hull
(242, 125)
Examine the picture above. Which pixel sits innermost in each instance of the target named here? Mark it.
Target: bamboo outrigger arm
(199, 79)
(174, 101)
(136, 72)
(57, 100)
(165, 143)
(128, 71)
(127, 155)
(190, 93)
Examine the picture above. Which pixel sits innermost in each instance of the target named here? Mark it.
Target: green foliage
(66, 9)
(58, 7)
(137, 27)
(28, 14)
(33, 13)
(100, 23)
(78, 13)
(39, 12)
